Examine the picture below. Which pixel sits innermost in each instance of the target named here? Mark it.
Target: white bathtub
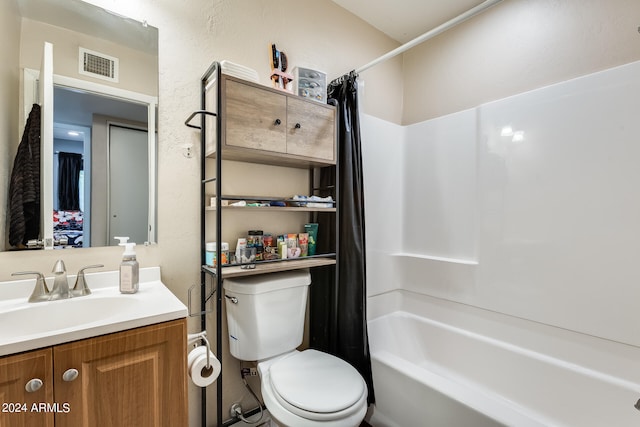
(430, 373)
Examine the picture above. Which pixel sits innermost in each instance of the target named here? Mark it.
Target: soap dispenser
(128, 268)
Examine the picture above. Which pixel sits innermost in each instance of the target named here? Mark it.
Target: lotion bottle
(129, 280)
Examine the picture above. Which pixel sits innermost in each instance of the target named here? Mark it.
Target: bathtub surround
(516, 225)
(530, 230)
(516, 214)
(525, 207)
(338, 323)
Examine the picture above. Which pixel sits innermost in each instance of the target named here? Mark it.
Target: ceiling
(403, 20)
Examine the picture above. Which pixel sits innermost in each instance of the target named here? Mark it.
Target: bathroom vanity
(125, 364)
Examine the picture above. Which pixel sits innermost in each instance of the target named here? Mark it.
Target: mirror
(99, 176)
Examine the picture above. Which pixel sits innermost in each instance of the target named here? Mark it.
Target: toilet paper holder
(201, 336)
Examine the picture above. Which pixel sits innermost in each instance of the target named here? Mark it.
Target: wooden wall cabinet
(263, 125)
(131, 378)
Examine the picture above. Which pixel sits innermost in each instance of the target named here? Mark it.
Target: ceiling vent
(98, 65)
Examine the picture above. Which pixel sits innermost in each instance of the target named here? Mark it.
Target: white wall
(383, 168)
(439, 187)
(543, 229)
(559, 235)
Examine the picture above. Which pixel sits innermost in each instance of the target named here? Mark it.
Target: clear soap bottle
(129, 280)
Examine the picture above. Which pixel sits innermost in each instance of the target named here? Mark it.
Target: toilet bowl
(311, 388)
(265, 322)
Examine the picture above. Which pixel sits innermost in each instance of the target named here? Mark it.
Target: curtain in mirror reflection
(69, 167)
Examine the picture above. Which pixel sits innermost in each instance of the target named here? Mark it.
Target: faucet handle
(40, 291)
(81, 288)
(59, 267)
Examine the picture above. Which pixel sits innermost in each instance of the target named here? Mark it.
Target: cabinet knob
(277, 122)
(70, 375)
(298, 126)
(33, 385)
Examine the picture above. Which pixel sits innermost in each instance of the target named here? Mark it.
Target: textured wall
(9, 78)
(515, 46)
(137, 68)
(192, 34)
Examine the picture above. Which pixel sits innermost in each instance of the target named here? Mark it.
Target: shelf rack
(212, 79)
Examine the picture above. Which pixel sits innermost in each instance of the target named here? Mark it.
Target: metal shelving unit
(211, 79)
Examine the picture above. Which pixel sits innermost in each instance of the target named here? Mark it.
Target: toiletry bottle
(129, 270)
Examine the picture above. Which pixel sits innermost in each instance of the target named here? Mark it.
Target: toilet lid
(317, 382)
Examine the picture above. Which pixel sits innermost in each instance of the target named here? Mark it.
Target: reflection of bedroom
(83, 126)
(68, 185)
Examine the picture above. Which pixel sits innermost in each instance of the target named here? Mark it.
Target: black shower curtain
(338, 323)
(69, 167)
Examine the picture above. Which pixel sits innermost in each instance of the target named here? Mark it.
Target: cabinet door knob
(33, 385)
(298, 126)
(277, 122)
(70, 375)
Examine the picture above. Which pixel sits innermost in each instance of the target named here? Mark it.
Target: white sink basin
(26, 326)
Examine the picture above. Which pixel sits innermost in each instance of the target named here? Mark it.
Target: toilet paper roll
(197, 367)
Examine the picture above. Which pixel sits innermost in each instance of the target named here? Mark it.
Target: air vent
(98, 65)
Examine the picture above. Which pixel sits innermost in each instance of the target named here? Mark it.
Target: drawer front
(254, 118)
(310, 130)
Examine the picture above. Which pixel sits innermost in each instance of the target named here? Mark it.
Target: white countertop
(27, 326)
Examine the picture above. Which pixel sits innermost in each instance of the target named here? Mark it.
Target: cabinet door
(18, 408)
(254, 118)
(310, 130)
(132, 378)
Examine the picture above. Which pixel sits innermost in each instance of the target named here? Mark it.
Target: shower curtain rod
(431, 33)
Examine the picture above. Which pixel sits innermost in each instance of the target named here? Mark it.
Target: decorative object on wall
(338, 323)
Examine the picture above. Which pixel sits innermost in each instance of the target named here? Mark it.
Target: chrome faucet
(40, 291)
(60, 284)
(81, 288)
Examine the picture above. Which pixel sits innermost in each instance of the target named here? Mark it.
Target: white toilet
(265, 316)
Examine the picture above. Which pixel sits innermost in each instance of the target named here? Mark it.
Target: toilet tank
(265, 313)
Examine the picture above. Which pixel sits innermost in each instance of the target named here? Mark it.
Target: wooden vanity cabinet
(260, 124)
(21, 408)
(131, 378)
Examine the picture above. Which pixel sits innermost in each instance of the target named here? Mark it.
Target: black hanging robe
(338, 323)
(24, 186)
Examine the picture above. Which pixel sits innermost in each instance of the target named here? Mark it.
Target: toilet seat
(316, 387)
